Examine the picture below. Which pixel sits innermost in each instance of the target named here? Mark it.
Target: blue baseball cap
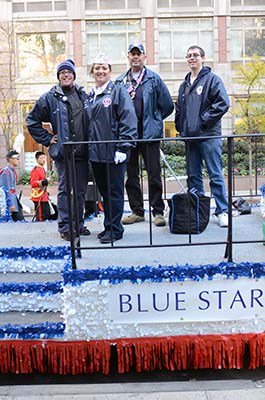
(138, 46)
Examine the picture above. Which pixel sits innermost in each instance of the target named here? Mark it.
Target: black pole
(67, 159)
(229, 246)
(75, 204)
(109, 192)
(187, 143)
(149, 191)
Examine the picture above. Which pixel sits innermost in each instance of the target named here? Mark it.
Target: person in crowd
(8, 178)
(39, 183)
(202, 101)
(112, 117)
(152, 103)
(64, 107)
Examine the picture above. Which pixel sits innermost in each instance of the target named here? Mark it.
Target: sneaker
(131, 219)
(223, 220)
(106, 238)
(159, 220)
(84, 231)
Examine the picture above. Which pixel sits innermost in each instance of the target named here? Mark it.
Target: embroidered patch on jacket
(199, 90)
(107, 102)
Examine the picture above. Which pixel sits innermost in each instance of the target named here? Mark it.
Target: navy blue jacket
(157, 103)
(112, 117)
(200, 106)
(54, 107)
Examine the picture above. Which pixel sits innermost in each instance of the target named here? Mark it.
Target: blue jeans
(209, 150)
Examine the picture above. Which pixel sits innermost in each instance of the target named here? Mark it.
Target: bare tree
(8, 92)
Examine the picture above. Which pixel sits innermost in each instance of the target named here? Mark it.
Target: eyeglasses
(66, 72)
(193, 55)
(15, 157)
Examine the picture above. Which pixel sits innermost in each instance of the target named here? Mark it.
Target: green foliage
(24, 178)
(250, 108)
(53, 177)
(240, 157)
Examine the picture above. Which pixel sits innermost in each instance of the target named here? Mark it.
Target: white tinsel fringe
(31, 302)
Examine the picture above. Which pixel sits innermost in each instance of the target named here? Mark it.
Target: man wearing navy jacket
(202, 101)
(64, 107)
(152, 103)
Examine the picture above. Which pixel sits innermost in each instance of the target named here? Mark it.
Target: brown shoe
(159, 220)
(131, 219)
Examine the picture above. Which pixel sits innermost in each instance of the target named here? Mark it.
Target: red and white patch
(107, 102)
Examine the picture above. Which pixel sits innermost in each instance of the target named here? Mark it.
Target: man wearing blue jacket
(202, 101)
(8, 178)
(64, 107)
(152, 103)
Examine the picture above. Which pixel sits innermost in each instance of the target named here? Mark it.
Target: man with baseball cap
(153, 103)
(64, 107)
(8, 178)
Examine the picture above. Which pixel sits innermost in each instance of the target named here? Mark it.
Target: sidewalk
(200, 390)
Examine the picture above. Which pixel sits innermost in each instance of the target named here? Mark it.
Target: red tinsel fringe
(140, 354)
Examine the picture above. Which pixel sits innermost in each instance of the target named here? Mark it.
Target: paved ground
(239, 390)
(247, 227)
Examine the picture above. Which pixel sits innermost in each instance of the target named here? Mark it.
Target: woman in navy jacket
(112, 117)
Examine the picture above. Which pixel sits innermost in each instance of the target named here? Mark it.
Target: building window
(247, 37)
(111, 38)
(235, 3)
(38, 6)
(108, 5)
(177, 35)
(39, 53)
(187, 3)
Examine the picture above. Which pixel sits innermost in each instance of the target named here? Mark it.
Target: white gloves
(119, 157)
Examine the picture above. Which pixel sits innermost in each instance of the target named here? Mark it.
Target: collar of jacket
(149, 74)
(107, 90)
(58, 92)
(203, 71)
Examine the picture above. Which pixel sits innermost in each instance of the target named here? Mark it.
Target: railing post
(75, 204)
(68, 160)
(229, 246)
(149, 191)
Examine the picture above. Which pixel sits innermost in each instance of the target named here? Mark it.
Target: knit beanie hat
(67, 64)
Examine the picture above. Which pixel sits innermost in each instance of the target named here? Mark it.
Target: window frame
(100, 33)
(173, 31)
(243, 29)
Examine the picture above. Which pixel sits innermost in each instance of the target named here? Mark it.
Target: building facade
(37, 35)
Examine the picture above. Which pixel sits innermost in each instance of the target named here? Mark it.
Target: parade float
(171, 317)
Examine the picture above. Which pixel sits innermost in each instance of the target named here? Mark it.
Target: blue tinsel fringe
(41, 253)
(161, 273)
(47, 330)
(34, 287)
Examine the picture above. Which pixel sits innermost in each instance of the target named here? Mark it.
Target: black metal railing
(75, 241)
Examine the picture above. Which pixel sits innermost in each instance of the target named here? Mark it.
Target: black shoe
(101, 234)
(84, 231)
(106, 238)
(65, 236)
